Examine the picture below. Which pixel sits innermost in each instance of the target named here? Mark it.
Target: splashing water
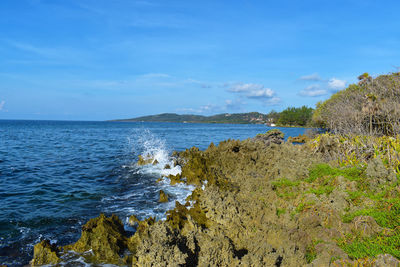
(55, 176)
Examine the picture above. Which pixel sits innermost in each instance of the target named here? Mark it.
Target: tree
(371, 107)
(296, 116)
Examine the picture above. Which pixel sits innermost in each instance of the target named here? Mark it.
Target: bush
(371, 107)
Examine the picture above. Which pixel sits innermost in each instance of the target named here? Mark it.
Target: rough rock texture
(383, 260)
(45, 253)
(256, 204)
(378, 173)
(163, 197)
(271, 137)
(146, 160)
(105, 237)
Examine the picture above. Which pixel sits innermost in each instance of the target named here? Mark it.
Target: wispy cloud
(155, 75)
(236, 104)
(245, 87)
(47, 55)
(313, 91)
(336, 84)
(229, 106)
(2, 103)
(49, 52)
(311, 77)
(204, 109)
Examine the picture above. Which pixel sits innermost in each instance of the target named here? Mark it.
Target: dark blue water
(56, 175)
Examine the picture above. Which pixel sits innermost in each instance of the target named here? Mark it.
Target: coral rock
(105, 237)
(45, 253)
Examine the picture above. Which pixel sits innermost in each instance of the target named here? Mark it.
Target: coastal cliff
(333, 201)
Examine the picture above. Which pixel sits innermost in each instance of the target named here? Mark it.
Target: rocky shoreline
(262, 202)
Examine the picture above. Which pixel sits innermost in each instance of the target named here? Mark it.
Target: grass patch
(355, 196)
(284, 182)
(280, 211)
(358, 248)
(386, 213)
(286, 188)
(304, 206)
(324, 170)
(311, 253)
(327, 189)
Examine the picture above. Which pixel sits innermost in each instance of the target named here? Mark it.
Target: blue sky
(102, 59)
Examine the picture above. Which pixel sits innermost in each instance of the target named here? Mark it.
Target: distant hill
(240, 118)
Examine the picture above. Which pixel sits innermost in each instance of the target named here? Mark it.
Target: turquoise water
(56, 175)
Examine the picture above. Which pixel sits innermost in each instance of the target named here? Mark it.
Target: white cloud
(311, 77)
(313, 91)
(336, 84)
(2, 103)
(254, 91)
(262, 93)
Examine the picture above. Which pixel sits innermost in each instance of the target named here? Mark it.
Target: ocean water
(56, 175)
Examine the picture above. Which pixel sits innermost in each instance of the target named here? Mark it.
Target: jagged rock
(378, 173)
(239, 218)
(163, 247)
(324, 254)
(105, 237)
(45, 253)
(385, 260)
(167, 166)
(133, 220)
(163, 197)
(274, 136)
(145, 160)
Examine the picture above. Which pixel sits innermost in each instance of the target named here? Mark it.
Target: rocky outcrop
(271, 137)
(45, 253)
(105, 237)
(258, 202)
(163, 197)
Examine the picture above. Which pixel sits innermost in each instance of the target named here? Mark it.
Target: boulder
(271, 137)
(45, 253)
(104, 237)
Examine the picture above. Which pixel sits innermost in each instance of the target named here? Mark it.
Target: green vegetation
(311, 253)
(280, 211)
(370, 107)
(325, 170)
(237, 118)
(295, 116)
(358, 247)
(289, 117)
(285, 188)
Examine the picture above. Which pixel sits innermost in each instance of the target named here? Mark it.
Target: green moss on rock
(105, 237)
(45, 253)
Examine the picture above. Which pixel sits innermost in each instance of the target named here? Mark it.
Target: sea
(56, 175)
